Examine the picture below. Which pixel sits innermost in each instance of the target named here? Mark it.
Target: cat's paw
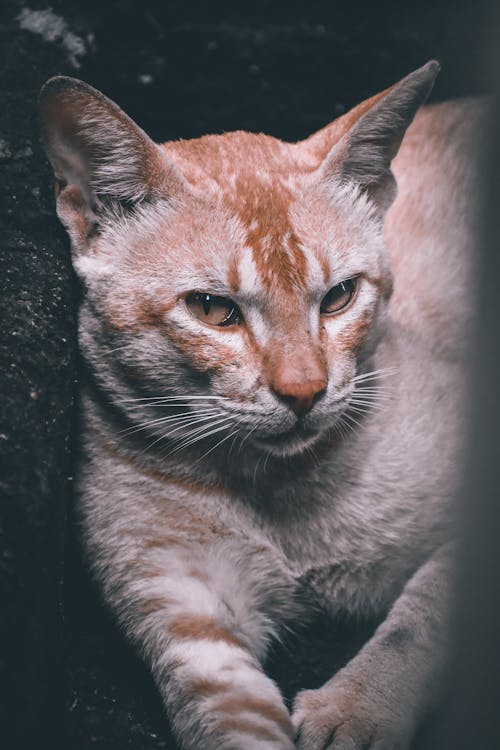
(347, 717)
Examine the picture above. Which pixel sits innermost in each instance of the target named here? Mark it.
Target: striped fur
(215, 511)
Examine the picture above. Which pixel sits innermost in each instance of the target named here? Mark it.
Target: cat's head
(235, 284)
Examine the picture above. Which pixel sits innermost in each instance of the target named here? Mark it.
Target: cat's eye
(338, 297)
(213, 310)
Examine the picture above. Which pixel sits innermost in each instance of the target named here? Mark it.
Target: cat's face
(259, 286)
(240, 298)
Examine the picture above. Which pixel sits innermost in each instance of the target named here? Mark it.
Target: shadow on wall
(475, 684)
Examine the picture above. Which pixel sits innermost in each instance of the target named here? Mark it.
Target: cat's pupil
(213, 309)
(338, 297)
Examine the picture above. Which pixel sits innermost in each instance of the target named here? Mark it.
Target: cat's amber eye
(213, 310)
(338, 297)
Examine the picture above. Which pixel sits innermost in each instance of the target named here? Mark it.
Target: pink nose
(300, 397)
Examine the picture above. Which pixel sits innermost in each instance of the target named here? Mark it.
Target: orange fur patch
(257, 195)
(239, 704)
(248, 727)
(201, 627)
(263, 210)
(206, 688)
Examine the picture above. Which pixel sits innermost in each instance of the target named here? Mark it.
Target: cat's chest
(334, 531)
(353, 548)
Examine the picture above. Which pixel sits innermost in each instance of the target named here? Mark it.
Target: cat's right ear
(99, 156)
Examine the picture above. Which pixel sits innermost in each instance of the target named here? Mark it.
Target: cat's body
(208, 539)
(429, 227)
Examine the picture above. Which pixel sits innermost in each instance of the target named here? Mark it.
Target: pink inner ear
(76, 216)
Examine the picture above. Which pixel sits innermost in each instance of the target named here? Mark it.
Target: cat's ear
(367, 138)
(99, 157)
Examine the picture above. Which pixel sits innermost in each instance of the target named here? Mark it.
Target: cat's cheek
(129, 312)
(347, 334)
(352, 338)
(205, 351)
(92, 269)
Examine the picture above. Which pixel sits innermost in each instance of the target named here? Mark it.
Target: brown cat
(266, 429)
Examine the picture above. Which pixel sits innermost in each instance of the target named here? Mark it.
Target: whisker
(233, 443)
(362, 410)
(192, 408)
(346, 427)
(375, 374)
(377, 387)
(374, 391)
(359, 410)
(350, 418)
(360, 393)
(368, 402)
(341, 429)
(196, 436)
(247, 436)
(171, 432)
(175, 418)
(227, 437)
(313, 455)
(268, 455)
(117, 349)
(166, 399)
(255, 471)
(377, 391)
(202, 436)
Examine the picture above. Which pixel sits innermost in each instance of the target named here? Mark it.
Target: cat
(273, 345)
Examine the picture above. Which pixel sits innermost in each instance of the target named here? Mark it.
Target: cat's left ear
(99, 157)
(367, 138)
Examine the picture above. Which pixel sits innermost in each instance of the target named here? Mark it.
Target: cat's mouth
(294, 440)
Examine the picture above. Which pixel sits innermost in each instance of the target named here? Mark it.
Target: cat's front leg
(198, 614)
(216, 693)
(377, 700)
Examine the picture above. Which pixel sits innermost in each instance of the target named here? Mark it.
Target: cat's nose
(300, 397)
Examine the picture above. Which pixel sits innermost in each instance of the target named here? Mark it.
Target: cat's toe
(333, 719)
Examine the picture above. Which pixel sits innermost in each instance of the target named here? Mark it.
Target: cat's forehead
(222, 159)
(256, 177)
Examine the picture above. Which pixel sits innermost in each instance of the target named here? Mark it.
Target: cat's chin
(284, 444)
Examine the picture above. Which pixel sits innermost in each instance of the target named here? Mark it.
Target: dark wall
(473, 719)
(180, 69)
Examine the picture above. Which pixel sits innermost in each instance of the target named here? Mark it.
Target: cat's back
(430, 228)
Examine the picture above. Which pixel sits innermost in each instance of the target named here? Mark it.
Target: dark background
(181, 69)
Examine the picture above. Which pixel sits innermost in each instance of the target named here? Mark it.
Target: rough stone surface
(180, 69)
